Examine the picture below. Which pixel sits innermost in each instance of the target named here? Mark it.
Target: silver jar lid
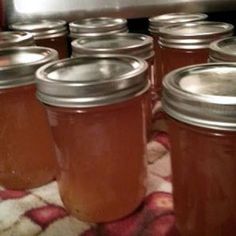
(139, 45)
(223, 50)
(93, 27)
(41, 29)
(173, 18)
(202, 95)
(193, 35)
(15, 38)
(89, 81)
(18, 64)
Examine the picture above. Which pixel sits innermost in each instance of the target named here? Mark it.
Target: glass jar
(155, 23)
(223, 50)
(95, 27)
(188, 44)
(200, 102)
(26, 145)
(139, 45)
(14, 38)
(47, 33)
(97, 103)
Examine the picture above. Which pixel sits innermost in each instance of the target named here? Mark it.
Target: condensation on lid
(202, 95)
(212, 82)
(223, 50)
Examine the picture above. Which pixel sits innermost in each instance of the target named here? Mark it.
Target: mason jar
(26, 145)
(139, 45)
(200, 102)
(188, 44)
(155, 23)
(15, 38)
(97, 26)
(223, 50)
(47, 33)
(97, 103)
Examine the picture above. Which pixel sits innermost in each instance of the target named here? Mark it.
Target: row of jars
(97, 109)
(174, 36)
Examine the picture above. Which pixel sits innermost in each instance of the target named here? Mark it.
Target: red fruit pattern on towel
(46, 215)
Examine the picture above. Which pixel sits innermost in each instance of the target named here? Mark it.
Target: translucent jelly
(101, 158)
(59, 43)
(26, 147)
(173, 58)
(204, 179)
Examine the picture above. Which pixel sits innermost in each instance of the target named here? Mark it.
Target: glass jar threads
(223, 50)
(97, 103)
(15, 38)
(47, 33)
(200, 102)
(98, 26)
(155, 23)
(188, 44)
(26, 147)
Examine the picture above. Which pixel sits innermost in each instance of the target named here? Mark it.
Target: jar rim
(202, 95)
(91, 80)
(193, 35)
(134, 44)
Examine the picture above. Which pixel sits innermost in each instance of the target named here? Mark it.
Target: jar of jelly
(155, 23)
(188, 44)
(26, 145)
(94, 27)
(223, 50)
(200, 102)
(14, 38)
(139, 45)
(95, 106)
(47, 33)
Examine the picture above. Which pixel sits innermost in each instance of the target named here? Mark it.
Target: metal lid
(89, 81)
(173, 18)
(42, 28)
(202, 95)
(18, 64)
(15, 38)
(100, 26)
(124, 43)
(194, 35)
(223, 50)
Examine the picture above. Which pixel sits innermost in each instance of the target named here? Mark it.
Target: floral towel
(41, 212)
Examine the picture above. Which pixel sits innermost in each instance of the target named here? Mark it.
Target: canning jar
(200, 102)
(139, 45)
(47, 33)
(188, 44)
(26, 145)
(98, 26)
(155, 23)
(95, 107)
(223, 50)
(15, 38)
